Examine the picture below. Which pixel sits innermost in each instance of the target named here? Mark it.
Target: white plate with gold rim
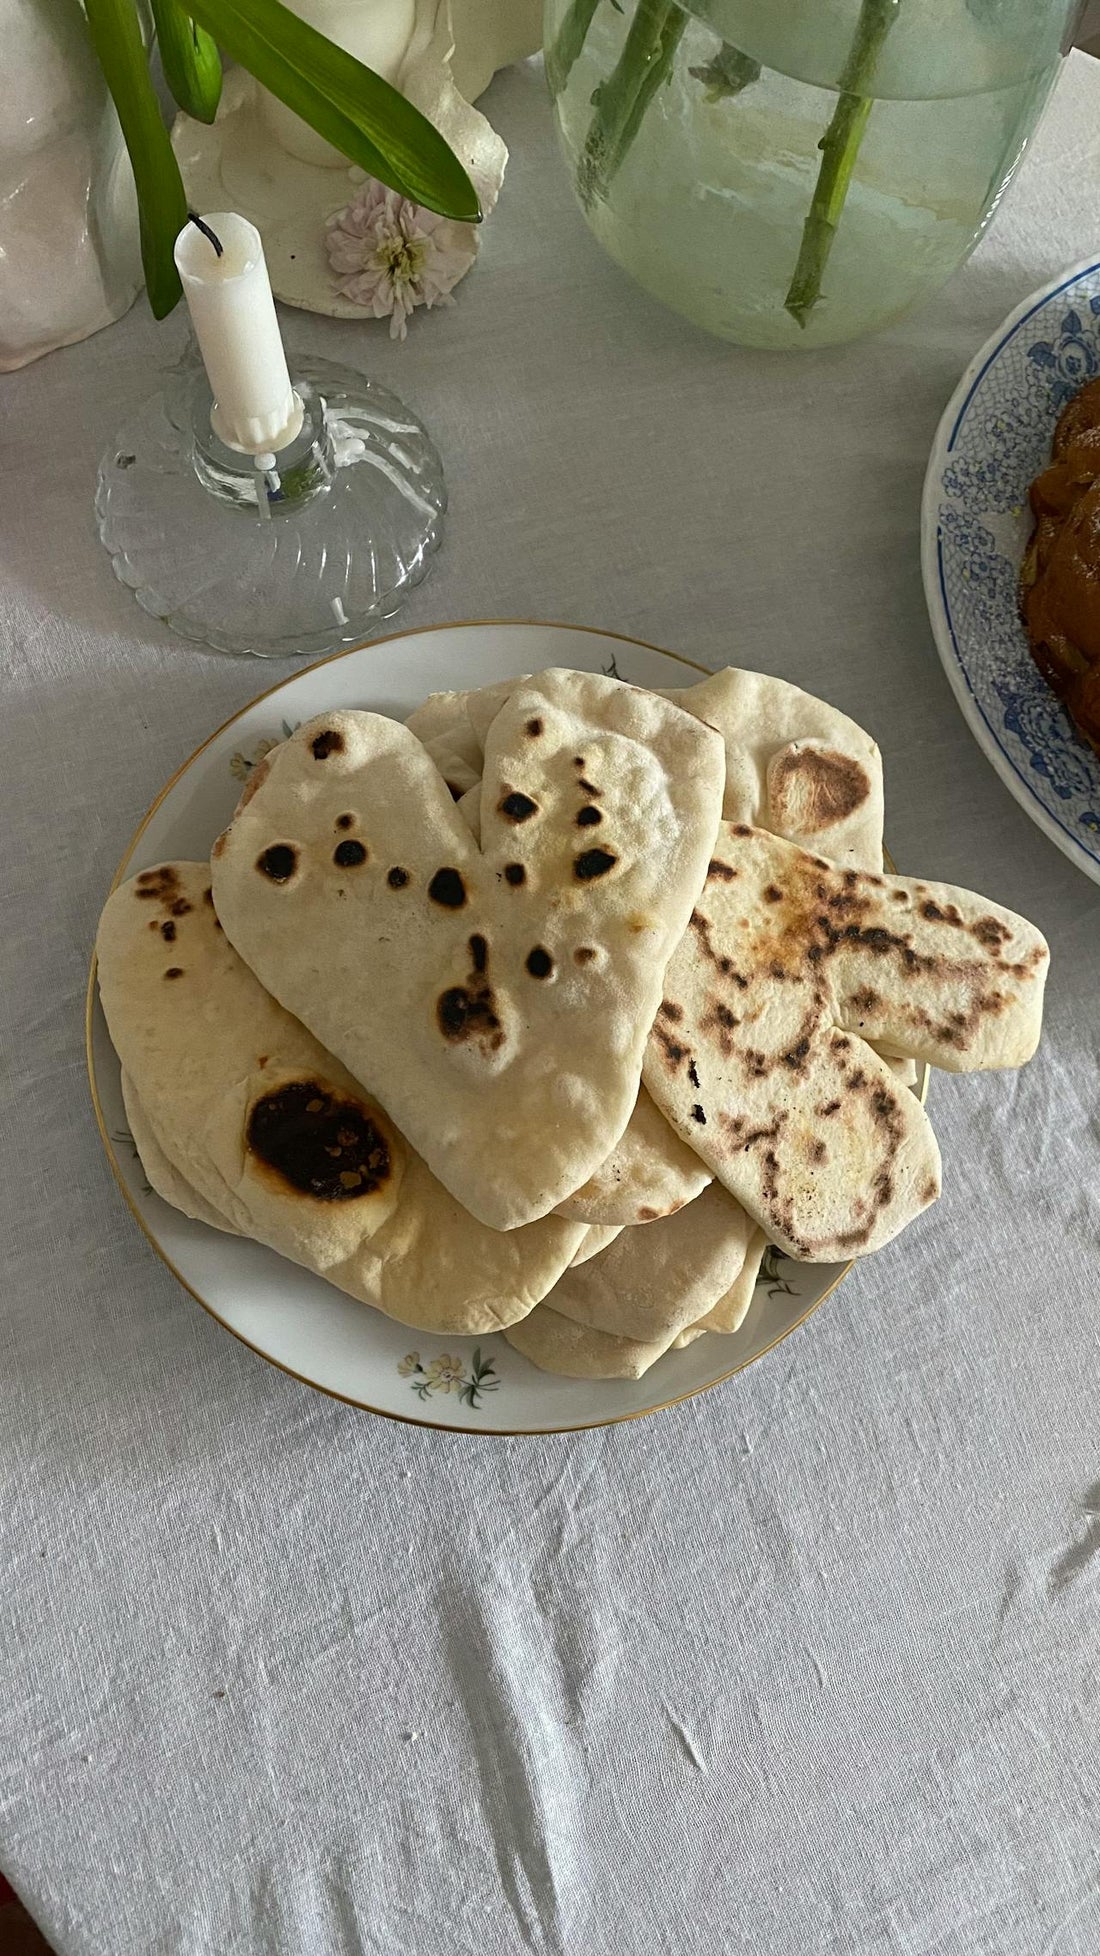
(294, 1319)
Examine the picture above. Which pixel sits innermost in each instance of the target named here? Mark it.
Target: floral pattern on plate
(994, 438)
(449, 1374)
(241, 764)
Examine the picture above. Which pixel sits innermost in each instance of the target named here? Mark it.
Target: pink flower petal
(391, 255)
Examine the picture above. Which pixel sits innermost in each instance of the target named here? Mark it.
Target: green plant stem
(568, 42)
(621, 101)
(353, 108)
(162, 203)
(190, 59)
(839, 149)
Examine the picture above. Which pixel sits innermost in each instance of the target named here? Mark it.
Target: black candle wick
(201, 225)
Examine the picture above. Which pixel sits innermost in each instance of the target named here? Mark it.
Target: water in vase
(748, 184)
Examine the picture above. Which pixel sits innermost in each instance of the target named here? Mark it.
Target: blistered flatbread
(759, 1055)
(275, 1136)
(496, 998)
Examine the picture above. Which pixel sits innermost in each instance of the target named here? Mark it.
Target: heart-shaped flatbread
(275, 1137)
(495, 999)
(759, 1056)
(794, 765)
(649, 1172)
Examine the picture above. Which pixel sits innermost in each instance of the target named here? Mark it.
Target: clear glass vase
(789, 173)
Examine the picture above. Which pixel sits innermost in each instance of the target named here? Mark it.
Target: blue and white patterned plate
(994, 437)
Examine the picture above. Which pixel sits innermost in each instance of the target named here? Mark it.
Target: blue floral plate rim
(1032, 766)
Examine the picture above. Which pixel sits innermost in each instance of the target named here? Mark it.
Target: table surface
(805, 1665)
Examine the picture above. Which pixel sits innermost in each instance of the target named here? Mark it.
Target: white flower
(391, 256)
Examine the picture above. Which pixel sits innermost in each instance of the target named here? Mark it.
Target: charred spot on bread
(516, 806)
(448, 889)
(279, 862)
(322, 1143)
(813, 787)
(593, 863)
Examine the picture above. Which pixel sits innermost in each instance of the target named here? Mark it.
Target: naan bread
(731, 1310)
(557, 1344)
(597, 1237)
(652, 1291)
(497, 999)
(649, 1173)
(653, 1283)
(166, 1180)
(278, 1139)
(453, 726)
(759, 1056)
(905, 1071)
(793, 765)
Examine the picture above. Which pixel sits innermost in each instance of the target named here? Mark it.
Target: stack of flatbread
(548, 1011)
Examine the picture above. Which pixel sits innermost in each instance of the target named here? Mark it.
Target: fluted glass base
(299, 558)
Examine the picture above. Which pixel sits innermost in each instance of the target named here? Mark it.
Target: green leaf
(116, 37)
(190, 59)
(352, 108)
(727, 74)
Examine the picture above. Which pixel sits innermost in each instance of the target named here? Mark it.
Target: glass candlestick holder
(298, 552)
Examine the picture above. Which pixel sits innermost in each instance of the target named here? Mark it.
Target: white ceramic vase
(394, 37)
(69, 254)
(260, 159)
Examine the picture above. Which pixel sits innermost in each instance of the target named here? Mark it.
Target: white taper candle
(256, 411)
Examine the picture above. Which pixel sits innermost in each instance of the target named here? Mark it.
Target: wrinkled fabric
(806, 1665)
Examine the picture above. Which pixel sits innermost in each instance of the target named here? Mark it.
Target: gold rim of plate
(345, 1399)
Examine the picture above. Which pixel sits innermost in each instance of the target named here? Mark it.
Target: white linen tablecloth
(808, 1664)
